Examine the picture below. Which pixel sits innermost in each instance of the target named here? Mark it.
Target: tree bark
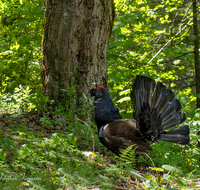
(75, 44)
(196, 53)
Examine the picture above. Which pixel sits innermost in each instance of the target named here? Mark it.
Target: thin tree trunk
(196, 52)
(75, 44)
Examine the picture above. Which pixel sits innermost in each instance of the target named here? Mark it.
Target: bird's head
(104, 109)
(98, 91)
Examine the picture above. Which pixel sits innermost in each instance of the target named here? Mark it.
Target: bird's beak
(93, 85)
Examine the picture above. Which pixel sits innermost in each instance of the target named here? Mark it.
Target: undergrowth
(71, 157)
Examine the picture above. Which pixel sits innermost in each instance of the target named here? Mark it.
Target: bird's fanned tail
(156, 111)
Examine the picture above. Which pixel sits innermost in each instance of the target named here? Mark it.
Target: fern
(128, 156)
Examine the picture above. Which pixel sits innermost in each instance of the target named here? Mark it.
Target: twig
(87, 133)
(174, 20)
(151, 160)
(148, 53)
(185, 14)
(127, 84)
(170, 41)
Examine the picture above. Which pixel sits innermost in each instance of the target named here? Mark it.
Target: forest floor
(30, 122)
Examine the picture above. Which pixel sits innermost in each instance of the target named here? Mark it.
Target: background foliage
(20, 39)
(141, 30)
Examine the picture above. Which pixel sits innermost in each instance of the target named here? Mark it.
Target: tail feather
(183, 130)
(175, 138)
(173, 121)
(174, 107)
(168, 96)
(177, 135)
(160, 88)
(138, 100)
(156, 110)
(150, 85)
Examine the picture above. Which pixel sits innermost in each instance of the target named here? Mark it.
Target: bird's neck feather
(105, 112)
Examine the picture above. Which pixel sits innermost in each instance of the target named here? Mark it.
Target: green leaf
(197, 95)
(132, 171)
(125, 92)
(172, 169)
(127, 98)
(158, 169)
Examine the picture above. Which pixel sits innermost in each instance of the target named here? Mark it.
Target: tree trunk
(196, 53)
(75, 44)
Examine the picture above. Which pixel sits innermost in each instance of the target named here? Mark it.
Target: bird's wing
(120, 134)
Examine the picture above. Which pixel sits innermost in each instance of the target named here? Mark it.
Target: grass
(64, 159)
(60, 151)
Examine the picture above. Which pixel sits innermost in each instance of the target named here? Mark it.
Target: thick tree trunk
(196, 52)
(75, 44)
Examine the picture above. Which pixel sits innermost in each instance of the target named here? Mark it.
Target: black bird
(156, 116)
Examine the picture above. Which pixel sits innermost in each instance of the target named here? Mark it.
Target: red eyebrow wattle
(99, 88)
